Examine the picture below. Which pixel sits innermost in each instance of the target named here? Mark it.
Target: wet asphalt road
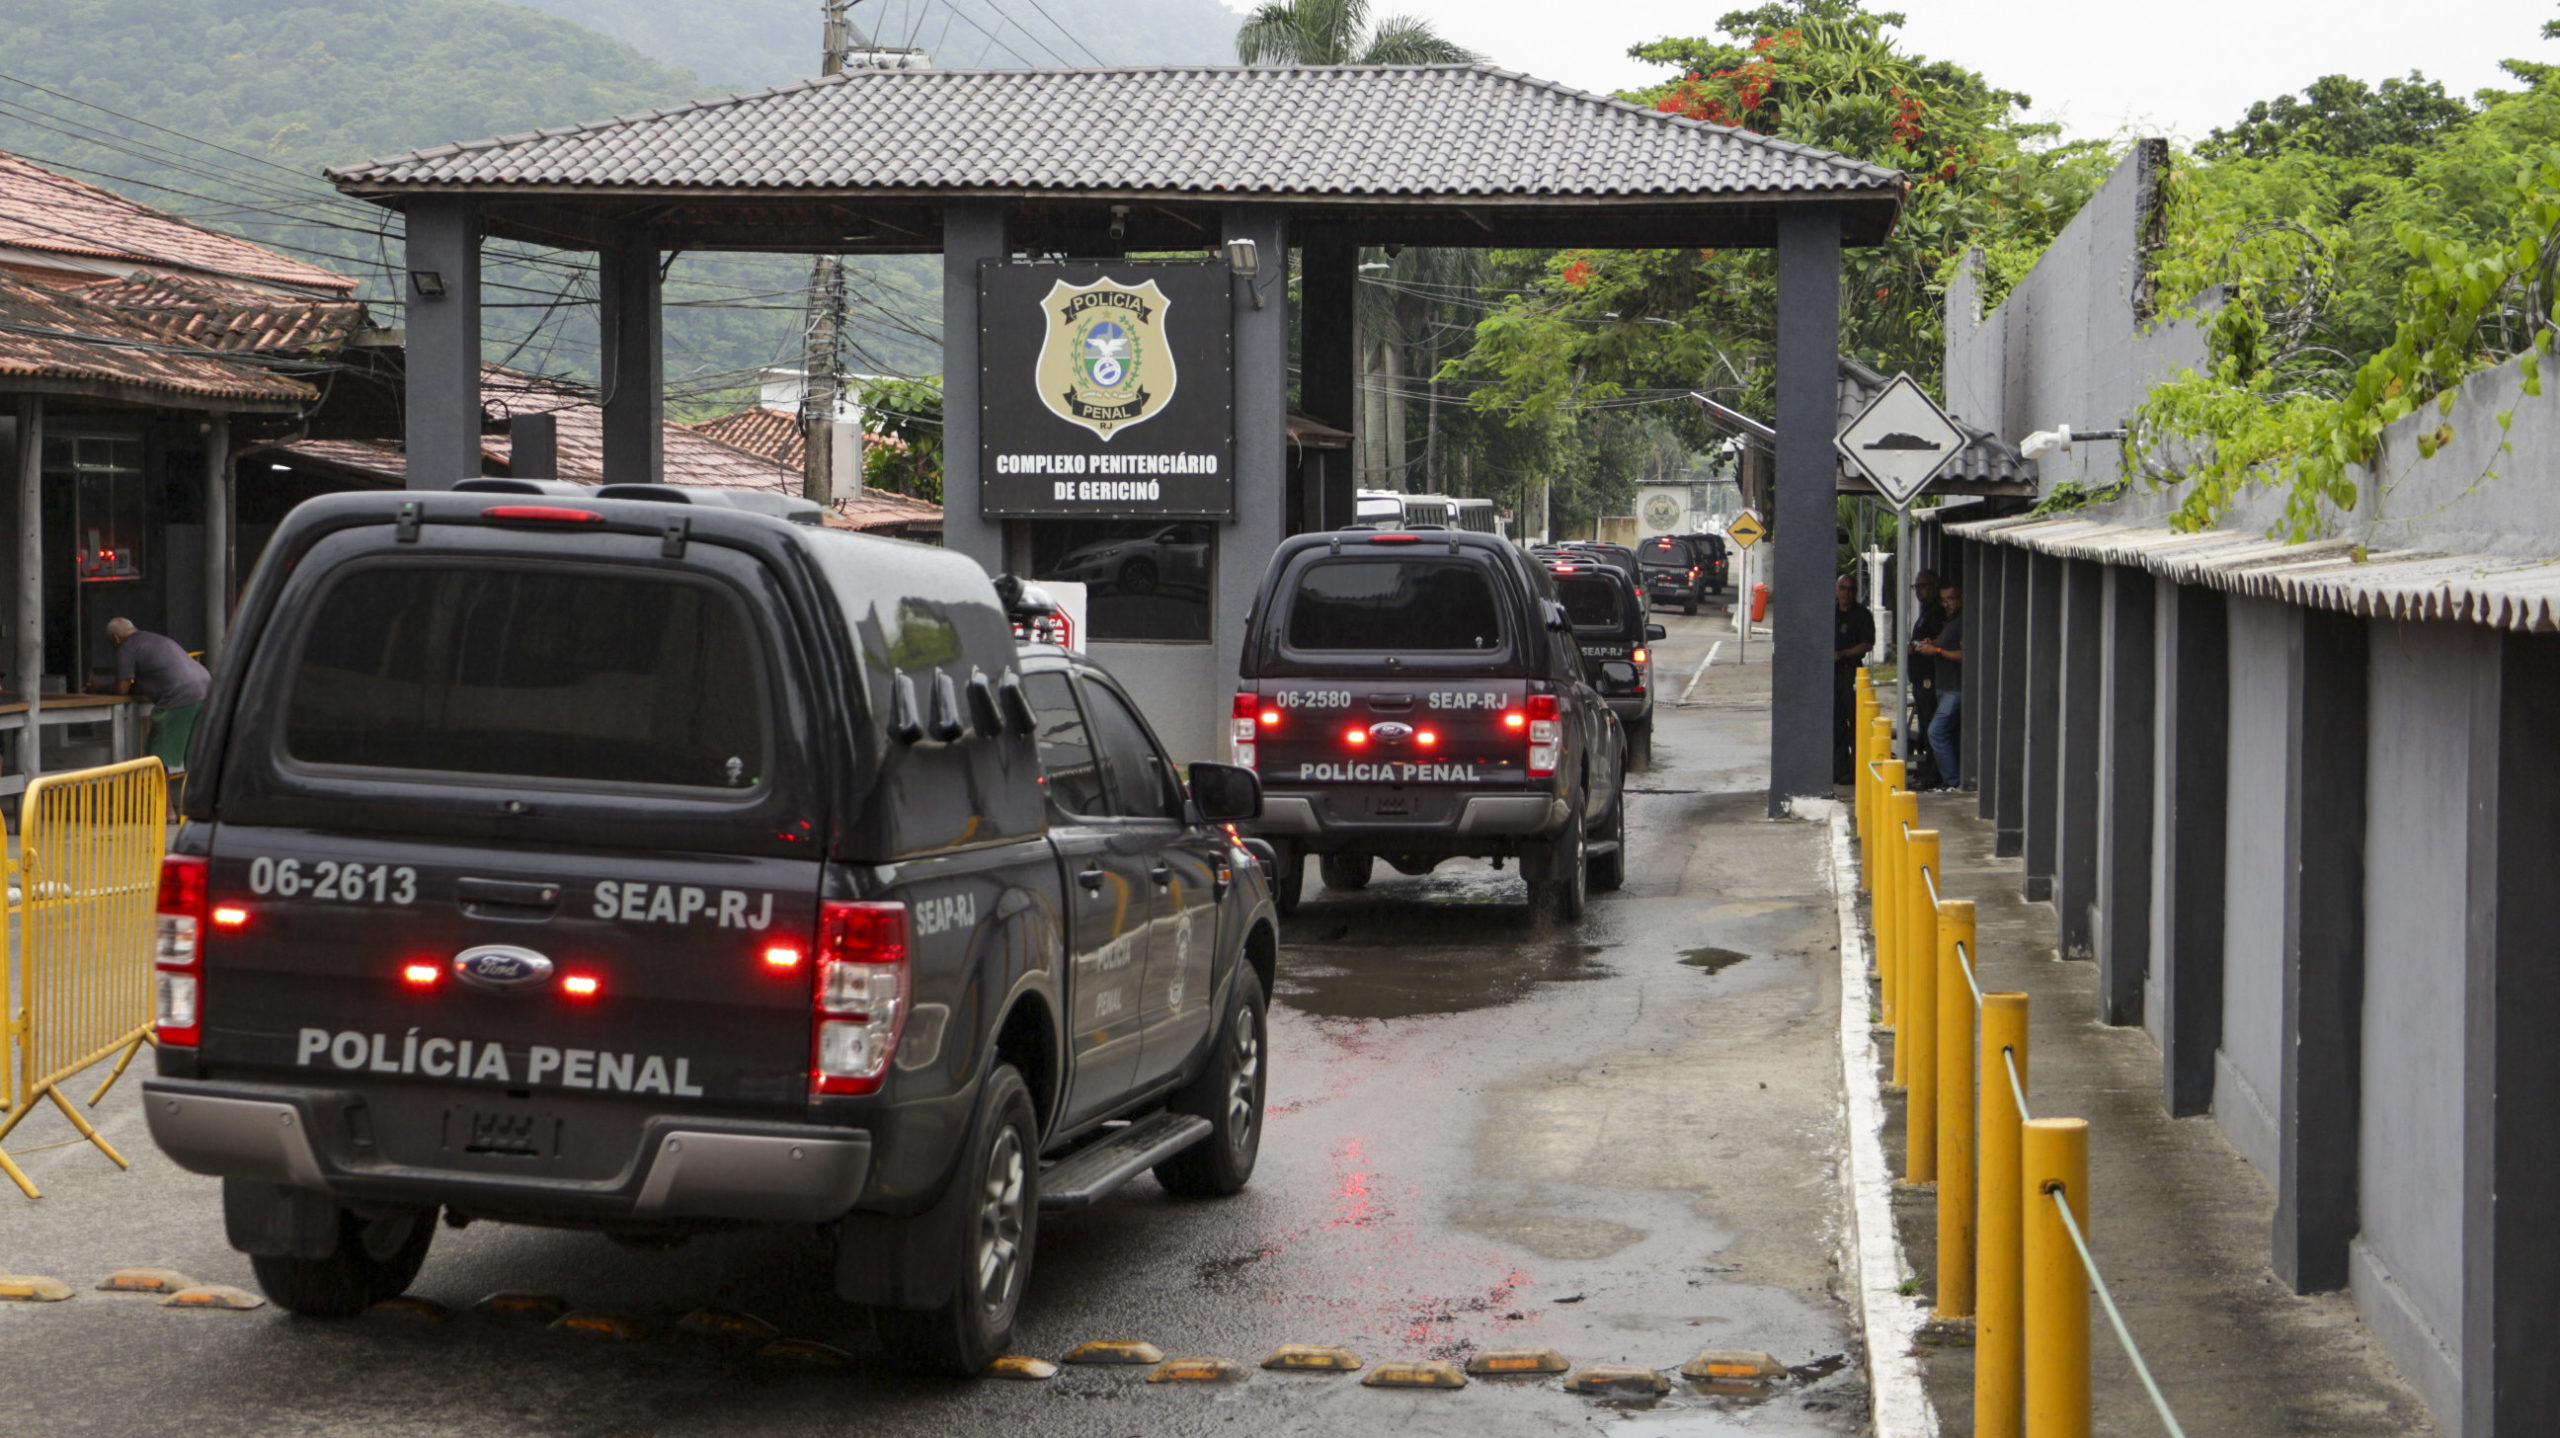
(1616, 1139)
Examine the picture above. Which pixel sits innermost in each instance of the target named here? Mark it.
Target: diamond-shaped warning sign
(1900, 441)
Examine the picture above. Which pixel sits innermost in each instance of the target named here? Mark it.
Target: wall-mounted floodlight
(1244, 261)
(428, 283)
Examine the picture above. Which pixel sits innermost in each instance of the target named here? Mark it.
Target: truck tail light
(1243, 733)
(861, 1000)
(177, 949)
(1546, 735)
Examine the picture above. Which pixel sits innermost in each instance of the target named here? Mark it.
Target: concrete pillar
(973, 231)
(442, 388)
(1328, 368)
(2009, 760)
(2078, 686)
(633, 360)
(2122, 931)
(2511, 1067)
(2042, 728)
(217, 538)
(2322, 1099)
(1808, 405)
(29, 666)
(2191, 750)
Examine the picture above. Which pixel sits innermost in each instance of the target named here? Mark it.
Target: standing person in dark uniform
(1917, 663)
(1947, 650)
(1853, 633)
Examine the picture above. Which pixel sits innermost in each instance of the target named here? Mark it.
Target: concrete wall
(2250, 1074)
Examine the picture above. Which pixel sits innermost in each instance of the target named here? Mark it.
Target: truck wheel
(375, 1259)
(1345, 871)
(999, 1221)
(1288, 878)
(1229, 1094)
(1568, 885)
(1609, 870)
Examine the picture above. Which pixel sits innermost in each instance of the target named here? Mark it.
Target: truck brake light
(177, 952)
(861, 999)
(1546, 735)
(1241, 731)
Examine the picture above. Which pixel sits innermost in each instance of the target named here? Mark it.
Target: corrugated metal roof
(2399, 584)
(1378, 131)
(44, 211)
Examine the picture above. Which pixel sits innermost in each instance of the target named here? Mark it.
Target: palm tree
(1338, 32)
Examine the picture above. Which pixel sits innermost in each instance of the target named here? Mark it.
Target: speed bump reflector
(1619, 1380)
(533, 1307)
(1197, 1370)
(405, 1306)
(1114, 1350)
(1314, 1357)
(587, 1323)
(1024, 1369)
(1733, 1365)
(32, 1288)
(1516, 1362)
(727, 1323)
(1425, 1373)
(145, 1280)
(214, 1295)
(803, 1350)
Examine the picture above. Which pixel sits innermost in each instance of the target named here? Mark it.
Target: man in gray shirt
(159, 668)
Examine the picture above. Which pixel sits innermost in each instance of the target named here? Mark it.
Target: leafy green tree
(1340, 32)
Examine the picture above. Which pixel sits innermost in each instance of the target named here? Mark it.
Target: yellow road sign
(1746, 530)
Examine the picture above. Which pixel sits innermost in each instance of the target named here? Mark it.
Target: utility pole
(821, 359)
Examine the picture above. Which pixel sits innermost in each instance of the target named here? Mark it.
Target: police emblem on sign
(1104, 362)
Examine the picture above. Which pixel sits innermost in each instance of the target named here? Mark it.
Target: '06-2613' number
(329, 879)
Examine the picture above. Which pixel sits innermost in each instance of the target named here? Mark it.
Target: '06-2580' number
(329, 879)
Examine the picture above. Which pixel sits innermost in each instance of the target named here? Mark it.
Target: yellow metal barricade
(87, 883)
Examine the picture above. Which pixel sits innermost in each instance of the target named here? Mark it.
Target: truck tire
(375, 1259)
(1229, 1094)
(1000, 1221)
(1567, 887)
(1609, 870)
(1346, 871)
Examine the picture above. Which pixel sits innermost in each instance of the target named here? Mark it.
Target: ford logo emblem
(1390, 732)
(500, 967)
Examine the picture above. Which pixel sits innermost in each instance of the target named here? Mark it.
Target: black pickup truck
(656, 868)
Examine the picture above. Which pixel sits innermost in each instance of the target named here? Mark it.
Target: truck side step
(1081, 1178)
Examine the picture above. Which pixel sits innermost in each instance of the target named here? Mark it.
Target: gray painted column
(2192, 752)
(1807, 483)
(2041, 683)
(217, 538)
(30, 660)
(442, 388)
(2125, 759)
(2511, 1067)
(2009, 760)
(1328, 366)
(2078, 686)
(972, 232)
(2318, 1116)
(633, 360)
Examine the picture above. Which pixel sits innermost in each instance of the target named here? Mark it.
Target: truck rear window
(543, 674)
(1387, 605)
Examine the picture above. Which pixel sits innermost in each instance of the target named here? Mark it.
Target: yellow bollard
(1956, 1071)
(2055, 1153)
(1999, 1382)
(1918, 1034)
(1901, 816)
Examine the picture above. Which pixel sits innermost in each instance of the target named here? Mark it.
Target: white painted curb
(1891, 1322)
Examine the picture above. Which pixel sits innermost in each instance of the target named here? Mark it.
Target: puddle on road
(1710, 960)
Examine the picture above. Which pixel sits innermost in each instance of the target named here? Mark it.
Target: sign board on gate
(1105, 391)
(1900, 441)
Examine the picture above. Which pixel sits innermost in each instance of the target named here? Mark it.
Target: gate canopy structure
(989, 166)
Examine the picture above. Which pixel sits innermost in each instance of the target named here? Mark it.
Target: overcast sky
(2177, 67)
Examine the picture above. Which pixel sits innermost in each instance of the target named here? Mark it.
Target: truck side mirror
(1225, 793)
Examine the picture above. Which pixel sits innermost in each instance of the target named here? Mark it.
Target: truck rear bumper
(685, 1167)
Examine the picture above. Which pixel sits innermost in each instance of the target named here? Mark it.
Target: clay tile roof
(230, 317)
(44, 211)
(60, 335)
(1355, 132)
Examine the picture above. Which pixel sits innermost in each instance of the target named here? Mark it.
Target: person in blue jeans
(1948, 650)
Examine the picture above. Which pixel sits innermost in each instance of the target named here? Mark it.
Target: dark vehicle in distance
(1682, 569)
(657, 868)
(1610, 629)
(1418, 696)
